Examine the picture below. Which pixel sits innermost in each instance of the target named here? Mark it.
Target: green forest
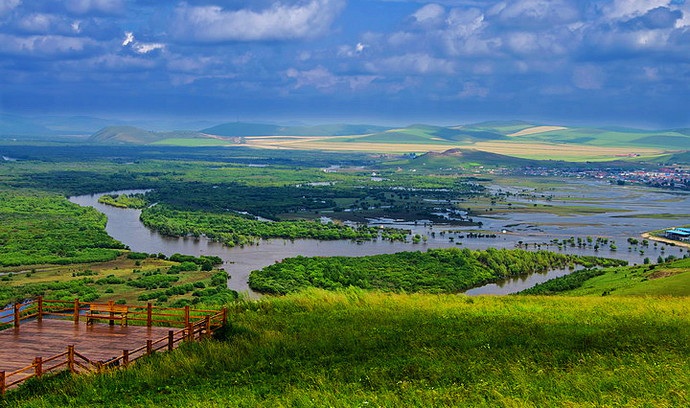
(449, 270)
(136, 201)
(43, 228)
(235, 229)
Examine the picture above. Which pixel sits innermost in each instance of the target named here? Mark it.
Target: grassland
(127, 280)
(196, 142)
(667, 278)
(518, 140)
(355, 349)
(536, 129)
(516, 148)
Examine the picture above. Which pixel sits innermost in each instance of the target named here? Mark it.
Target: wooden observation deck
(42, 336)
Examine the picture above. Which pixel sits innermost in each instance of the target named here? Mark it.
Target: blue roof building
(678, 234)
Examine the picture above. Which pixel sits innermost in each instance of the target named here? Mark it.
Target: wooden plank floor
(98, 342)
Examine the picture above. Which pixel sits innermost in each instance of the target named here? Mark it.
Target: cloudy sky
(613, 62)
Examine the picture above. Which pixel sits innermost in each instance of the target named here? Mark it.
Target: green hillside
(603, 137)
(134, 135)
(665, 279)
(466, 157)
(517, 133)
(426, 134)
(502, 127)
(357, 349)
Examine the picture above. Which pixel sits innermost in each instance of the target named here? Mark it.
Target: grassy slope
(582, 143)
(669, 279)
(358, 349)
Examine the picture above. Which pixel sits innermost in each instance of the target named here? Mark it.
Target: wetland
(619, 213)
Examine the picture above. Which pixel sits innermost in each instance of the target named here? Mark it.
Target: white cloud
(44, 45)
(625, 9)
(413, 63)
(279, 22)
(465, 34)
(430, 15)
(322, 79)
(351, 51)
(473, 90)
(95, 6)
(8, 5)
(129, 38)
(138, 46)
(524, 11)
(120, 63)
(36, 23)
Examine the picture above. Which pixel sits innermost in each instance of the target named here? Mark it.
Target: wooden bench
(107, 311)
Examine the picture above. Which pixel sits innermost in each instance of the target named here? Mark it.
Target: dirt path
(647, 235)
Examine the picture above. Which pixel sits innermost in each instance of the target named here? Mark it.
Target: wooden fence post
(40, 309)
(2, 383)
(111, 322)
(171, 340)
(76, 311)
(17, 309)
(149, 314)
(149, 346)
(125, 357)
(70, 358)
(225, 316)
(38, 366)
(186, 316)
(207, 329)
(190, 332)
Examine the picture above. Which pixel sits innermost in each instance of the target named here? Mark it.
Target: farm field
(518, 148)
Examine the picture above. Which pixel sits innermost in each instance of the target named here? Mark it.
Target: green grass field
(356, 349)
(668, 279)
(192, 142)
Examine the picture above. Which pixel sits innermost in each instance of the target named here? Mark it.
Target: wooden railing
(148, 315)
(197, 324)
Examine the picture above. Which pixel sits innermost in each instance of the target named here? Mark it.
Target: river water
(511, 228)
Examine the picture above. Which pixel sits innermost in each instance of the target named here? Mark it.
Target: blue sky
(615, 62)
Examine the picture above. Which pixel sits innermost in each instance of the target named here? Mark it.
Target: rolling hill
(240, 129)
(508, 138)
(455, 157)
(134, 135)
(420, 133)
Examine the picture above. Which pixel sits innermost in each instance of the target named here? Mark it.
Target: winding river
(125, 226)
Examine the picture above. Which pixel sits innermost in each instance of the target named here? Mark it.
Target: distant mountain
(239, 129)
(11, 125)
(134, 135)
(85, 125)
(421, 133)
(455, 157)
(243, 129)
(498, 126)
(78, 128)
